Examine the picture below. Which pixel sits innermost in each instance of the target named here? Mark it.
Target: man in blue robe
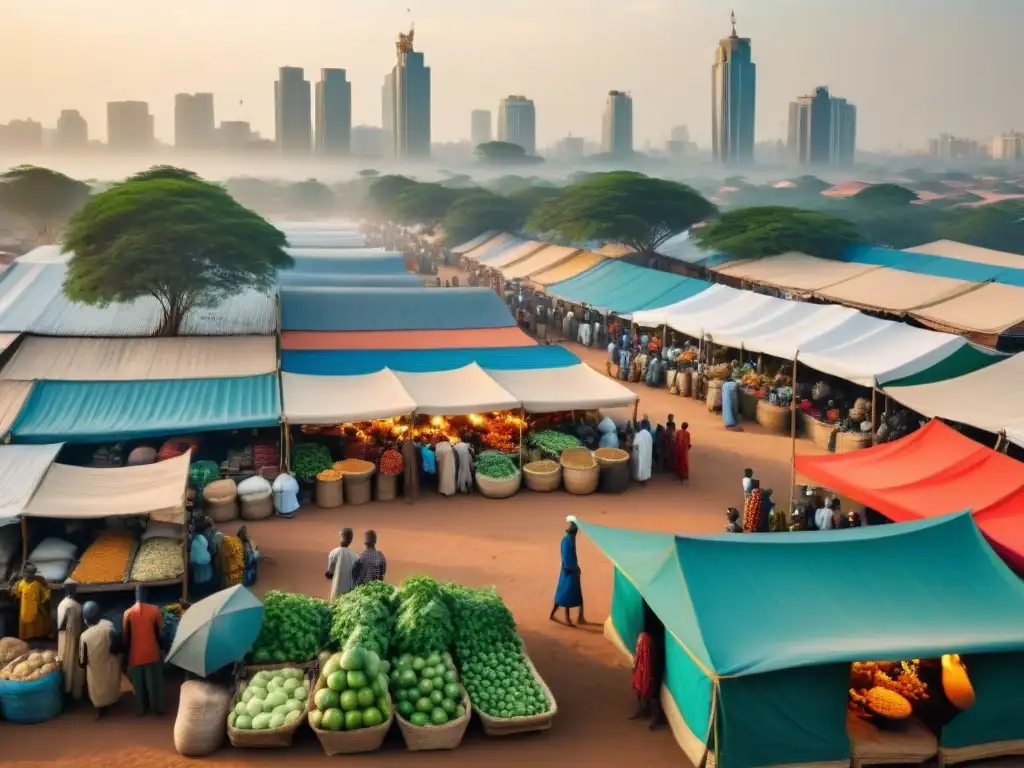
(569, 592)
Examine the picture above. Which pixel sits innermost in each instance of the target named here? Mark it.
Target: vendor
(33, 597)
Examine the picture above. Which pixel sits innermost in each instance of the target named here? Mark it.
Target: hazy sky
(914, 68)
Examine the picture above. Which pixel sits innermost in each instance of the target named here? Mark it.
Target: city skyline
(925, 91)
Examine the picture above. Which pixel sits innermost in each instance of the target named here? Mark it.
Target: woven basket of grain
(861, 410)
(820, 432)
(846, 442)
(580, 471)
(719, 372)
(542, 476)
(220, 501)
(356, 475)
(607, 457)
(774, 417)
(714, 396)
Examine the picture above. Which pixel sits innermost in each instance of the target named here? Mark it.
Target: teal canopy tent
(760, 630)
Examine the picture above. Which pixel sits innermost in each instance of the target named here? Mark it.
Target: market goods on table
(350, 710)
(310, 459)
(426, 689)
(329, 475)
(894, 690)
(423, 624)
(366, 613)
(294, 628)
(10, 649)
(31, 666)
(956, 683)
(577, 458)
(106, 560)
(391, 462)
(172, 617)
(199, 725)
(353, 466)
(552, 441)
(268, 708)
(158, 560)
(495, 465)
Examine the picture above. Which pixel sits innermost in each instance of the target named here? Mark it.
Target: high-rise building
(480, 126)
(733, 98)
(569, 148)
(517, 123)
(333, 113)
(406, 96)
(387, 100)
(822, 130)
(617, 124)
(293, 112)
(129, 126)
(947, 147)
(1009, 147)
(22, 136)
(72, 131)
(369, 141)
(194, 124)
(235, 134)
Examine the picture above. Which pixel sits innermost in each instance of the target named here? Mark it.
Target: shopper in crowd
(649, 668)
(748, 482)
(70, 626)
(341, 563)
(99, 654)
(643, 452)
(371, 565)
(732, 521)
(33, 598)
(682, 451)
(143, 631)
(822, 515)
(569, 590)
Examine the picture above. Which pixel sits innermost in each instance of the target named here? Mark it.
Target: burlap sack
(199, 726)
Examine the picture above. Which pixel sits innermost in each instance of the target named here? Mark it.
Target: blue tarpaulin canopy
(326, 280)
(626, 288)
(349, 362)
(98, 411)
(938, 266)
(773, 638)
(384, 264)
(391, 309)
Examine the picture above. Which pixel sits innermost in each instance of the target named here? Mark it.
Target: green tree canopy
(425, 203)
(623, 207)
(186, 243)
(384, 192)
(809, 183)
(42, 199)
(752, 233)
(885, 194)
(475, 213)
(311, 196)
(504, 153)
(165, 172)
(999, 226)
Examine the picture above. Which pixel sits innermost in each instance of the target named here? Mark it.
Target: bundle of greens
(310, 459)
(495, 466)
(552, 442)
(365, 617)
(294, 628)
(423, 624)
(479, 614)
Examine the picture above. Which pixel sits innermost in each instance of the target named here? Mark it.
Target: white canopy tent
(577, 387)
(22, 468)
(459, 392)
(981, 398)
(344, 399)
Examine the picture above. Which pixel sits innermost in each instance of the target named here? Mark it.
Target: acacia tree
(885, 195)
(769, 230)
(41, 198)
(622, 207)
(479, 212)
(184, 242)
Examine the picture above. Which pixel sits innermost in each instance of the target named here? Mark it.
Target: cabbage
(261, 722)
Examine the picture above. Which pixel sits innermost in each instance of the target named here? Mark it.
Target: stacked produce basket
(269, 706)
(580, 471)
(497, 476)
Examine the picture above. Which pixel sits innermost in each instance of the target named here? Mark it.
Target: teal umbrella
(217, 631)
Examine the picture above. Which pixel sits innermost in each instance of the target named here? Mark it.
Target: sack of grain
(253, 486)
(199, 726)
(11, 648)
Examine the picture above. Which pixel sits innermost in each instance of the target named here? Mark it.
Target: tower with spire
(733, 99)
(406, 97)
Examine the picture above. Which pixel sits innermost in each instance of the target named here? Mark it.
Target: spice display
(106, 561)
(232, 553)
(329, 475)
(611, 454)
(391, 463)
(577, 458)
(552, 441)
(310, 459)
(294, 628)
(495, 465)
(353, 466)
(158, 559)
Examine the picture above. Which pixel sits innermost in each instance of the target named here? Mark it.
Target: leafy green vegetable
(495, 465)
(552, 441)
(310, 459)
(294, 628)
(365, 618)
(424, 621)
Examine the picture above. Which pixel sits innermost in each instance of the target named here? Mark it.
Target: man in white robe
(445, 455)
(643, 452)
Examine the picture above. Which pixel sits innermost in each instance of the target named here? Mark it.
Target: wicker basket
(541, 477)
(820, 432)
(847, 442)
(748, 404)
(714, 396)
(614, 478)
(358, 489)
(349, 742)
(684, 381)
(494, 726)
(220, 501)
(611, 457)
(420, 738)
(329, 494)
(268, 739)
(777, 418)
(581, 482)
(387, 487)
(258, 507)
(492, 488)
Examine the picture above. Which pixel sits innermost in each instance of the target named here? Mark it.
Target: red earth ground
(512, 544)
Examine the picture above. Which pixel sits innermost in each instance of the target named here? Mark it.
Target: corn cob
(955, 682)
(888, 704)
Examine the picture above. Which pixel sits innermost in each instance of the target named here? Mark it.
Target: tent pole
(759, 364)
(874, 415)
(287, 445)
(792, 436)
(184, 575)
(24, 540)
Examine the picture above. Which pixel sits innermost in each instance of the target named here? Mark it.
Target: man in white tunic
(340, 563)
(643, 452)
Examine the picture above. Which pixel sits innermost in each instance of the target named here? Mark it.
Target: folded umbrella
(217, 631)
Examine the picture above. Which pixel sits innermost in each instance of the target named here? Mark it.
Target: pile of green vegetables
(295, 628)
(423, 624)
(353, 694)
(367, 613)
(310, 459)
(495, 466)
(552, 441)
(426, 689)
(494, 669)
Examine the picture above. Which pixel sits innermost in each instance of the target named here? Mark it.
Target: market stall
(22, 468)
(780, 695)
(929, 473)
(122, 511)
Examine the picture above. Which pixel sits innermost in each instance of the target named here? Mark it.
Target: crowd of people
(346, 570)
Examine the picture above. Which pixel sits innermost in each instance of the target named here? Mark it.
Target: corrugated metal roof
(94, 412)
(380, 264)
(25, 291)
(350, 362)
(327, 280)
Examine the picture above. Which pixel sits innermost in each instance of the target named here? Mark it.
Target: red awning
(470, 338)
(932, 472)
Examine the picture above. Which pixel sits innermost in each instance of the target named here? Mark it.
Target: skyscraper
(194, 123)
(408, 87)
(333, 113)
(129, 126)
(387, 99)
(517, 123)
(292, 108)
(72, 131)
(822, 130)
(480, 128)
(617, 125)
(733, 97)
